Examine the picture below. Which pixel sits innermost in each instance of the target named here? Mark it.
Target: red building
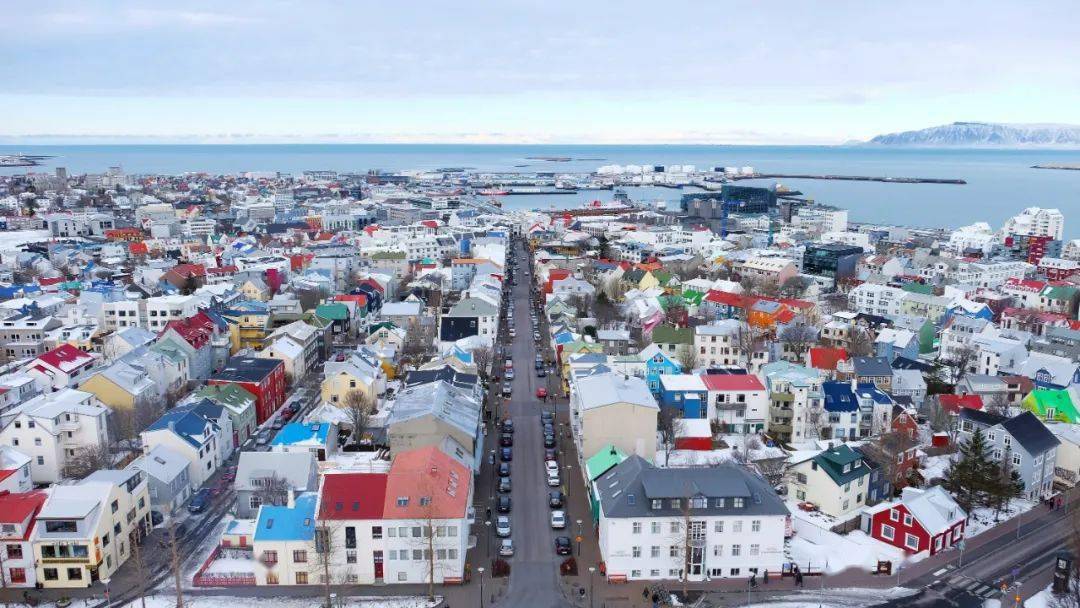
(921, 520)
(264, 378)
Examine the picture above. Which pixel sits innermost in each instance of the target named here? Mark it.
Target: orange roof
(425, 483)
(827, 358)
(138, 248)
(650, 266)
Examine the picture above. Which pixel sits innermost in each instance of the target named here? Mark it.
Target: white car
(553, 479)
(506, 548)
(502, 526)
(558, 520)
(552, 467)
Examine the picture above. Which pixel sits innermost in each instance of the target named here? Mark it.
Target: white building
(874, 299)
(1035, 221)
(52, 429)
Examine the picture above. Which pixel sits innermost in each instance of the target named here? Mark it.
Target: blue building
(686, 393)
(657, 364)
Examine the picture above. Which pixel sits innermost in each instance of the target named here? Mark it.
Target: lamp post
(481, 571)
(108, 597)
(592, 570)
(569, 482)
(487, 524)
(578, 536)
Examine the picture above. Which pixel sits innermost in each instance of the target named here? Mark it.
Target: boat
(494, 192)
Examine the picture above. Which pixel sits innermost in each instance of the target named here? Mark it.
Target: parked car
(549, 441)
(546, 418)
(551, 467)
(555, 499)
(558, 520)
(549, 454)
(263, 439)
(562, 545)
(541, 393)
(508, 389)
(504, 484)
(502, 527)
(199, 502)
(541, 373)
(229, 474)
(503, 504)
(506, 547)
(506, 441)
(510, 374)
(277, 424)
(506, 454)
(508, 426)
(552, 479)
(504, 469)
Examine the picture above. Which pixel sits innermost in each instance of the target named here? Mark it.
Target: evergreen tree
(1005, 484)
(971, 478)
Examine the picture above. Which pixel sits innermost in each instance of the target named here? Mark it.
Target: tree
(860, 343)
(794, 287)
(960, 360)
(885, 451)
(748, 339)
(941, 420)
(324, 546)
(670, 424)
(273, 490)
(30, 206)
(835, 301)
(483, 357)
(580, 304)
(1005, 485)
(687, 358)
(175, 562)
(358, 409)
(418, 341)
(135, 538)
(996, 403)
(87, 459)
(798, 338)
(970, 477)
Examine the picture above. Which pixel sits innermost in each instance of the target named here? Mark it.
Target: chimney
(292, 499)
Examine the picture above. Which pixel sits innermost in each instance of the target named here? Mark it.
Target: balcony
(65, 560)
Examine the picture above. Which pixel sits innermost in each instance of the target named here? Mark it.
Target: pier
(852, 178)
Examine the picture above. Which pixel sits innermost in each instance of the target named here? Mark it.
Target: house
(796, 403)
(1028, 446)
(921, 520)
(717, 344)
(291, 354)
(239, 404)
(360, 370)
(263, 378)
(423, 415)
(194, 431)
(657, 363)
(317, 438)
(62, 367)
(284, 542)
(350, 509)
(18, 516)
(202, 339)
(826, 358)
(738, 402)
(1053, 404)
(834, 480)
(14, 471)
(909, 383)
(874, 370)
(673, 340)
(169, 482)
(123, 387)
(892, 343)
(613, 409)
(730, 520)
(685, 393)
(54, 428)
(483, 312)
(83, 533)
(269, 478)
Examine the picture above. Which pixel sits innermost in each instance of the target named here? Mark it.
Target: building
(284, 543)
(201, 432)
(84, 530)
(18, 515)
(425, 414)
(168, 482)
(834, 480)
(270, 477)
(831, 260)
(919, 521)
(738, 402)
(62, 367)
(53, 429)
(263, 378)
(613, 409)
(1022, 442)
(1035, 221)
(731, 520)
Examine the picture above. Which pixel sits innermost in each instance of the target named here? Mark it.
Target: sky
(507, 71)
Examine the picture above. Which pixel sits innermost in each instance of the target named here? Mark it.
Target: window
(14, 551)
(301, 578)
(736, 526)
(736, 550)
(417, 555)
(755, 525)
(699, 503)
(673, 551)
(654, 551)
(719, 503)
(654, 573)
(60, 526)
(635, 552)
(40, 459)
(115, 506)
(402, 577)
(887, 532)
(270, 557)
(656, 527)
(907, 519)
(911, 541)
(674, 528)
(676, 503)
(635, 574)
(50, 574)
(737, 502)
(376, 532)
(657, 503)
(755, 549)
(894, 515)
(350, 557)
(74, 574)
(718, 551)
(636, 526)
(1016, 459)
(718, 527)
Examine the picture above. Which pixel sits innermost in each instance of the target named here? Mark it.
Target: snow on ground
(233, 561)
(982, 519)
(837, 598)
(815, 546)
(1041, 599)
(211, 601)
(11, 240)
(200, 553)
(933, 467)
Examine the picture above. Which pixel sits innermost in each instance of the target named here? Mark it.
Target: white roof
(608, 389)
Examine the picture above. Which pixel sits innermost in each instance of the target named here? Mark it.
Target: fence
(221, 579)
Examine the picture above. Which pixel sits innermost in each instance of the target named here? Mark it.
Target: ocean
(999, 182)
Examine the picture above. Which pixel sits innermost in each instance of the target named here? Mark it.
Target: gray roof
(629, 488)
(607, 389)
(440, 399)
(473, 307)
(872, 366)
(162, 463)
(298, 468)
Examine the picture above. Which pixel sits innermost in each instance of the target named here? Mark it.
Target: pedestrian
(765, 577)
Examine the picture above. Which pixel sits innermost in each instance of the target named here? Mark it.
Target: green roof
(335, 311)
(1041, 401)
(693, 296)
(388, 255)
(226, 394)
(834, 460)
(662, 276)
(668, 334)
(382, 325)
(602, 461)
(667, 302)
(922, 288)
(1061, 292)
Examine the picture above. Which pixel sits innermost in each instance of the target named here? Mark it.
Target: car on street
(539, 363)
(558, 520)
(508, 426)
(263, 439)
(278, 424)
(549, 441)
(562, 545)
(506, 548)
(546, 418)
(508, 389)
(549, 454)
(199, 502)
(504, 484)
(502, 526)
(504, 469)
(229, 474)
(513, 334)
(541, 373)
(503, 505)
(506, 440)
(541, 393)
(510, 374)
(506, 454)
(555, 499)
(551, 466)
(508, 363)
(552, 479)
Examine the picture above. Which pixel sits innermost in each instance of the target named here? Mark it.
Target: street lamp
(488, 535)
(578, 536)
(569, 482)
(481, 571)
(108, 598)
(592, 569)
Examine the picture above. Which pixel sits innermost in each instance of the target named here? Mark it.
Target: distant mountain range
(986, 134)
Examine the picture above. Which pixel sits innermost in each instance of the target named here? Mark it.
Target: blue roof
(288, 523)
(869, 389)
(838, 397)
(300, 432)
(564, 337)
(186, 424)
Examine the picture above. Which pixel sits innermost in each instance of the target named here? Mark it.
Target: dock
(853, 178)
(1058, 167)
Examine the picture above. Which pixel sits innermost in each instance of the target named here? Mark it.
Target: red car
(541, 393)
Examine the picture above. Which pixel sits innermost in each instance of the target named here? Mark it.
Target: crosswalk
(973, 586)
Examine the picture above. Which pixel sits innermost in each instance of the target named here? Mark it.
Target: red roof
(827, 358)
(1025, 283)
(188, 270)
(373, 284)
(65, 358)
(16, 508)
(728, 298)
(138, 248)
(732, 382)
(954, 403)
(223, 270)
(359, 298)
(352, 496)
(430, 223)
(196, 330)
(424, 483)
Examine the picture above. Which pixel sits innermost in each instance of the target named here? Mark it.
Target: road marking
(956, 579)
(971, 585)
(981, 589)
(942, 571)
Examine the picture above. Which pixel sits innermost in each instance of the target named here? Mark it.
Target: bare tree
(960, 360)
(87, 459)
(748, 339)
(175, 562)
(835, 301)
(671, 425)
(324, 545)
(794, 287)
(358, 409)
(273, 490)
(887, 450)
(687, 358)
(940, 419)
(418, 342)
(996, 403)
(860, 343)
(798, 338)
(483, 357)
(136, 537)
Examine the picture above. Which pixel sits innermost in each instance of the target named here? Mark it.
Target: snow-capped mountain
(978, 134)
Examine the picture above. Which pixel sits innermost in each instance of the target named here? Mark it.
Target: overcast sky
(514, 71)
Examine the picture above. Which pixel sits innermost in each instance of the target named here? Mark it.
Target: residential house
(874, 370)
(315, 437)
(834, 480)
(1022, 442)
(615, 409)
(169, 482)
(423, 415)
(738, 402)
(62, 367)
(18, 516)
(53, 429)
(195, 431)
(360, 370)
(921, 520)
(270, 477)
(263, 378)
(284, 542)
(685, 393)
(717, 344)
(796, 403)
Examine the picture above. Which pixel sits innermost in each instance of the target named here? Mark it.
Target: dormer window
(657, 503)
(676, 503)
(738, 502)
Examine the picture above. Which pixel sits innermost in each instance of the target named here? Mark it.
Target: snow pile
(983, 518)
(11, 240)
(838, 598)
(815, 546)
(213, 601)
